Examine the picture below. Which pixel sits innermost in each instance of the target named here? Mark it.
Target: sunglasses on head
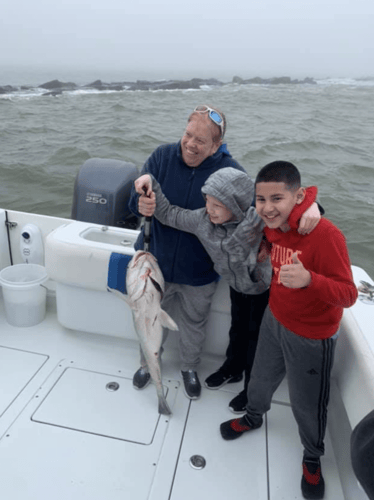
(213, 115)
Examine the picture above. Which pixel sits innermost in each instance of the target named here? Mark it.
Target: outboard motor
(102, 191)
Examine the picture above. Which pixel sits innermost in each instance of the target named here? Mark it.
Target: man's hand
(143, 185)
(294, 275)
(147, 205)
(309, 219)
(147, 199)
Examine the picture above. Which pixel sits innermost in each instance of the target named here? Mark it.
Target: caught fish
(145, 286)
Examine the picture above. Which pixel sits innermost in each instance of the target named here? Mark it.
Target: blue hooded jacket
(181, 256)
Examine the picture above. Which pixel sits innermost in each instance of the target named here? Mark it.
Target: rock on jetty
(8, 89)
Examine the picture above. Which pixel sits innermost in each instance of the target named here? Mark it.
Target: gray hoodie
(232, 246)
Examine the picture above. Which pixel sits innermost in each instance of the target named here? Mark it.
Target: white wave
(23, 94)
(347, 81)
(90, 91)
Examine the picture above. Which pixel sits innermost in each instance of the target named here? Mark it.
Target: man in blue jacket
(182, 169)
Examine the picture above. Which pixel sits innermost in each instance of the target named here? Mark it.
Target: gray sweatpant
(308, 365)
(189, 307)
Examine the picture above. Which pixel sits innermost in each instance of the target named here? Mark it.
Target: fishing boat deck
(72, 426)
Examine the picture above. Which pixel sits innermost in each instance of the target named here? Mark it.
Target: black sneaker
(192, 386)
(220, 378)
(312, 482)
(141, 378)
(233, 429)
(238, 403)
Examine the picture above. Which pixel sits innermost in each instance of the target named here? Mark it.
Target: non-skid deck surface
(17, 368)
(263, 464)
(65, 436)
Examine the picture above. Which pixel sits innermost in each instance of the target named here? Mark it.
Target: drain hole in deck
(197, 462)
(112, 386)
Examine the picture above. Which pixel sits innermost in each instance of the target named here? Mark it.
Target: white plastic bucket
(24, 295)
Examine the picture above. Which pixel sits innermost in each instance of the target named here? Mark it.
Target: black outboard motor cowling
(102, 192)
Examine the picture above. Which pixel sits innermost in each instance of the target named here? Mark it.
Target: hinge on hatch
(10, 225)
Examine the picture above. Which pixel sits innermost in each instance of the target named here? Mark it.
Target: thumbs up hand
(294, 275)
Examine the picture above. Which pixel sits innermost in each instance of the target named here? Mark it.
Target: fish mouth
(139, 254)
(143, 253)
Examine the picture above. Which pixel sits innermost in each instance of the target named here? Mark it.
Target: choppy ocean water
(326, 129)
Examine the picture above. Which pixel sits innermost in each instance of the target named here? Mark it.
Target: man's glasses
(213, 115)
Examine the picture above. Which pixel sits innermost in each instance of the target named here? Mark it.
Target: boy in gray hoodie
(231, 232)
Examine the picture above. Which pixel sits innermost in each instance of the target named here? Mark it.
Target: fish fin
(121, 296)
(167, 321)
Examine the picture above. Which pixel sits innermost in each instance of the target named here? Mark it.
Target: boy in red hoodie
(311, 284)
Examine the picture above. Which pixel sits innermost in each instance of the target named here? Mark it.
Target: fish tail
(163, 407)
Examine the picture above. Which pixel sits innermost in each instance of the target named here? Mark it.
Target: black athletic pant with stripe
(308, 365)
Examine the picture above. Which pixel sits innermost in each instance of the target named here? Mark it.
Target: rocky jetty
(99, 85)
(195, 83)
(55, 87)
(7, 89)
(56, 84)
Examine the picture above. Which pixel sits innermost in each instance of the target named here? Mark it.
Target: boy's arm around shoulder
(306, 216)
(331, 276)
(174, 216)
(247, 237)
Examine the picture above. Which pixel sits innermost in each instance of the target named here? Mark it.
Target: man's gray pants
(189, 307)
(308, 365)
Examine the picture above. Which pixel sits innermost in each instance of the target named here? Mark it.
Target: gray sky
(195, 38)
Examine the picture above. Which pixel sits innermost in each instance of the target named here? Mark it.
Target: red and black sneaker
(234, 428)
(312, 482)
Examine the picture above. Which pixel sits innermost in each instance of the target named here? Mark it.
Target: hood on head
(231, 187)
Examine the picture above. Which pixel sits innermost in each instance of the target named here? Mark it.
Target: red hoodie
(316, 310)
